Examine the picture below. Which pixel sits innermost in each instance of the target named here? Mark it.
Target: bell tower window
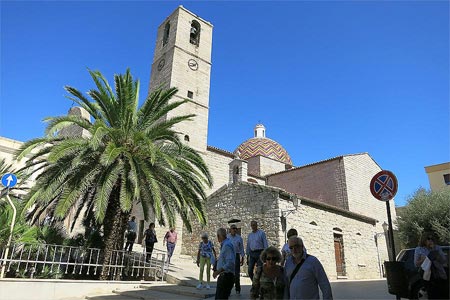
(166, 33)
(194, 37)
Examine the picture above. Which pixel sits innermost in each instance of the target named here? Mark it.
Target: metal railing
(58, 261)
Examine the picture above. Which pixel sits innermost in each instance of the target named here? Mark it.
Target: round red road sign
(383, 185)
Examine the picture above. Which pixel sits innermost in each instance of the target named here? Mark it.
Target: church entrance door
(339, 254)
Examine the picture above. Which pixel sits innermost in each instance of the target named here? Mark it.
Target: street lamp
(385, 226)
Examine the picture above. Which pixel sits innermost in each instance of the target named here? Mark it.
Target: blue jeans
(170, 248)
(254, 260)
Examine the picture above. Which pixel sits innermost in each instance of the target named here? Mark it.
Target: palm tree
(131, 156)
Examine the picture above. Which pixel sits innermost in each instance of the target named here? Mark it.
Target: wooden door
(339, 254)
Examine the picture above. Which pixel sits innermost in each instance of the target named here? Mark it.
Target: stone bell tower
(182, 59)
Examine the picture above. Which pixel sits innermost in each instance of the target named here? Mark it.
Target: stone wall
(359, 171)
(315, 221)
(255, 179)
(218, 164)
(323, 181)
(316, 227)
(262, 166)
(242, 201)
(171, 67)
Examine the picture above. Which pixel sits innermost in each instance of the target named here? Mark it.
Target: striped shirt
(256, 241)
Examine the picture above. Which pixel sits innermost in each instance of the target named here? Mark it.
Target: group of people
(287, 274)
(149, 240)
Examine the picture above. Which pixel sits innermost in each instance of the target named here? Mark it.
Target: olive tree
(425, 211)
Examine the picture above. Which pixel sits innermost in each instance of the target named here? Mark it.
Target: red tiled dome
(264, 147)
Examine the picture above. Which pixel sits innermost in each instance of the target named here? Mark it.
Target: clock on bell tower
(182, 59)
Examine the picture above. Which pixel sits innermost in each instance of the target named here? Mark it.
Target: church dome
(260, 145)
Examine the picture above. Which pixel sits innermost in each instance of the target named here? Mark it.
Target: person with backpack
(206, 255)
(150, 240)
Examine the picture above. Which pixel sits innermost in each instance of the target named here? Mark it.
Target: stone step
(155, 294)
(185, 291)
(108, 297)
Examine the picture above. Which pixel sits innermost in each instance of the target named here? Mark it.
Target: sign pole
(383, 186)
(391, 231)
(8, 181)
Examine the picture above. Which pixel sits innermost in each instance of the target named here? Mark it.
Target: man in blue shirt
(131, 234)
(238, 245)
(305, 274)
(225, 266)
(256, 243)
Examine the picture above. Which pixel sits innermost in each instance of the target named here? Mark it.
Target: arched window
(186, 138)
(166, 34)
(313, 223)
(235, 174)
(194, 36)
(337, 229)
(252, 180)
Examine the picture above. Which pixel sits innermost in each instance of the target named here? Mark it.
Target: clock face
(193, 64)
(161, 64)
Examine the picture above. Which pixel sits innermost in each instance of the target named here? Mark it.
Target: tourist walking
(430, 257)
(225, 266)
(304, 274)
(269, 281)
(285, 252)
(149, 241)
(171, 240)
(256, 243)
(238, 245)
(205, 256)
(131, 234)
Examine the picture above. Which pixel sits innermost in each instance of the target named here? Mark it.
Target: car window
(408, 258)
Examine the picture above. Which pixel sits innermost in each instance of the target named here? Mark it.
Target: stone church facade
(328, 202)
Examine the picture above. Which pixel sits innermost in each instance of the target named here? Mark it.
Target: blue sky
(325, 78)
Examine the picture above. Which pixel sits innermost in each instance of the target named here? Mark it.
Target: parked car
(403, 276)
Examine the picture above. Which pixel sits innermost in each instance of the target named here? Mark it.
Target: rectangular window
(447, 179)
(190, 95)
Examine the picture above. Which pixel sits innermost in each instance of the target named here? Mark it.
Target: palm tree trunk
(114, 227)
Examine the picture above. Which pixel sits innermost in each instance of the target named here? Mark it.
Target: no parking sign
(383, 185)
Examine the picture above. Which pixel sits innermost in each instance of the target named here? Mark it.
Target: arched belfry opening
(194, 37)
(166, 33)
(236, 174)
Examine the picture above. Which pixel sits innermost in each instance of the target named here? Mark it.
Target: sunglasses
(295, 246)
(430, 238)
(271, 258)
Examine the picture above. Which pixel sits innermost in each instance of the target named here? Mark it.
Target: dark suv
(403, 276)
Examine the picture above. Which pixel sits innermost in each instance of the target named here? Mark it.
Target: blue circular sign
(9, 180)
